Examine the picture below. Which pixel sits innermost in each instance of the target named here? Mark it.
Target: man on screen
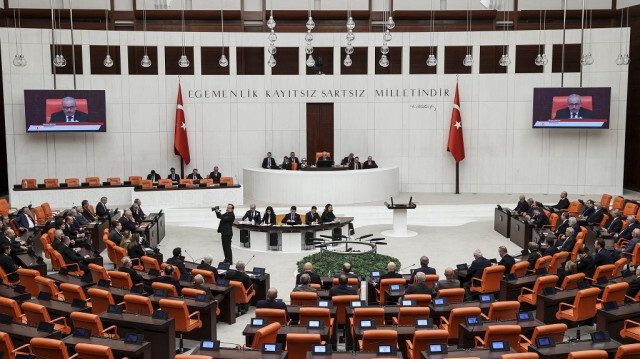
(574, 108)
(69, 112)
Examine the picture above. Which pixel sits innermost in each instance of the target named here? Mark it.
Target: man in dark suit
(419, 287)
(475, 270)
(198, 283)
(355, 164)
(178, 260)
(252, 214)
(268, 162)
(206, 265)
(597, 215)
(312, 216)
(539, 218)
(324, 157)
(70, 230)
(86, 212)
(137, 212)
(304, 286)
(293, 158)
(57, 239)
(626, 233)
(522, 206)
(115, 235)
(391, 272)
(450, 280)
(239, 275)
(128, 222)
(173, 176)
(347, 270)
(342, 288)
(602, 256)
(551, 249)
(308, 269)
(71, 256)
(25, 221)
(562, 224)
(101, 208)
(292, 217)
(7, 264)
(226, 231)
(8, 237)
(586, 263)
(424, 268)
(369, 163)
(589, 210)
(634, 286)
(272, 303)
(69, 112)
(574, 109)
(153, 176)
(126, 268)
(563, 203)
(615, 226)
(628, 249)
(167, 277)
(569, 241)
(507, 261)
(347, 160)
(531, 206)
(194, 175)
(215, 175)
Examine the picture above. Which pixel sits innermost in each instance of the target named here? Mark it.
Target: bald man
(308, 269)
(271, 302)
(450, 280)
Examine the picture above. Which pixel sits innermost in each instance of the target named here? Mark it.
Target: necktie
(68, 118)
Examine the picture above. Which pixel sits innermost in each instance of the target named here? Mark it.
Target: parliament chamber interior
(315, 179)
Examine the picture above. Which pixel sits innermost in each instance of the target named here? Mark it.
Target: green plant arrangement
(327, 263)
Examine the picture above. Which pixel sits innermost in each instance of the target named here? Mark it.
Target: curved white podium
(320, 187)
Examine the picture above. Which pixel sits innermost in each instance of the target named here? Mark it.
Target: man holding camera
(226, 231)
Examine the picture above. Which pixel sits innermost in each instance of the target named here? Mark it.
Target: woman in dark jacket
(269, 216)
(535, 254)
(134, 249)
(327, 215)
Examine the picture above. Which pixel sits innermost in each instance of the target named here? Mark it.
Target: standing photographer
(225, 229)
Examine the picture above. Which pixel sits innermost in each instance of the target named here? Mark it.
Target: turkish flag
(456, 141)
(181, 143)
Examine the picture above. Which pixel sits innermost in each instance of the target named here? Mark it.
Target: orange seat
(111, 252)
(28, 280)
(138, 304)
(630, 209)
(192, 292)
(520, 268)
(184, 322)
(207, 181)
(605, 270)
(98, 272)
(605, 201)
(146, 184)
(574, 208)
(509, 333)
(605, 219)
(72, 182)
(243, 296)
(11, 308)
(628, 351)
(324, 314)
(93, 351)
(503, 310)
(578, 245)
(422, 338)
(542, 262)
(73, 291)
(114, 181)
(273, 315)
(299, 344)
(7, 348)
(58, 262)
(553, 220)
(5, 277)
(557, 261)
(631, 330)
(51, 183)
(385, 284)
(583, 307)
(135, 180)
(519, 356)
(531, 295)
(48, 212)
(50, 349)
(371, 339)
(37, 313)
(618, 203)
(341, 302)
(170, 288)
(167, 183)
(456, 317)
(422, 300)
(176, 272)
(121, 253)
(294, 166)
(430, 279)
(40, 216)
(304, 298)
(49, 286)
(151, 263)
(92, 322)
(453, 295)
(408, 315)
(5, 209)
(319, 154)
(29, 183)
(635, 256)
(613, 293)
(266, 334)
(490, 282)
(187, 182)
(552, 330)
(227, 180)
(571, 281)
(209, 276)
(93, 181)
(619, 264)
(376, 314)
(352, 281)
(589, 354)
(120, 279)
(192, 356)
(100, 300)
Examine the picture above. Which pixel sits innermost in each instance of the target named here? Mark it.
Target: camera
(215, 208)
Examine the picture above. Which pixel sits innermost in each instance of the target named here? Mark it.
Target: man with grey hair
(79, 216)
(239, 275)
(569, 241)
(507, 261)
(206, 265)
(615, 226)
(69, 112)
(522, 206)
(198, 283)
(450, 280)
(424, 268)
(126, 268)
(626, 233)
(475, 270)
(304, 286)
(574, 108)
(419, 287)
(128, 222)
(57, 239)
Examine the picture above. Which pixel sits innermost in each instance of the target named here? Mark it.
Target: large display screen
(566, 107)
(65, 110)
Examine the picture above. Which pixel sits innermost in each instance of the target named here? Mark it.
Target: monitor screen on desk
(324, 163)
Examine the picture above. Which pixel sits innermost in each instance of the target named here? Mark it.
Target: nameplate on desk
(19, 288)
(499, 346)
(44, 296)
(271, 348)
(160, 314)
(440, 302)
(545, 342)
(321, 349)
(213, 345)
(487, 298)
(357, 303)
(367, 324)
(5, 319)
(133, 338)
(423, 323)
(315, 324)
(408, 303)
(524, 317)
(324, 304)
(437, 348)
(258, 322)
(473, 320)
(600, 337)
(79, 332)
(511, 276)
(201, 298)
(386, 349)
(394, 287)
(45, 327)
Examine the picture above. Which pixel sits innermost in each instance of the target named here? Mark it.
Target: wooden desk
(60, 309)
(349, 355)
(118, 346)
(161, 333)
(294, 312)
(260, 283)
(520, 232)
(405, 332)
(475, 353)
(9, 292)
(371, 289)
(249, 332)
(30, 262)
(207, 316)
(119, 293)
(594, 232)
(468, 332)
(96, 229)
(561, 350)
(149, 230)
(160, 224)
(225, 353)
(21, 334)
(510, 289)
(547, 305)
(613, 320)
(445, 310)
(502, 222)
(62, 278)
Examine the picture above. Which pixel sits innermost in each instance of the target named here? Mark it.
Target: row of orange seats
(44, 348)
(115, 181)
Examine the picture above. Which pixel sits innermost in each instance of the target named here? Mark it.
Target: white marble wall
(504, 154)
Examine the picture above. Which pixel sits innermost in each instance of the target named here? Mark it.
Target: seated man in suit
(391, 272)
(347, 160)
(347, 270)
(115, 235)
(136, 212)
(80, 217)
(634, 287)
(293, 158)
(126, 268)
(312, 216)
(563, 203)
(272, 303)
(304, 286)
(198, 283)
(71, 256)
(522, 206)
(419, 287)
(101, 208)
(551, 249)
(25, 221)
(569, 241)
(574, 108)
(424, 268)
(342, 288)
(69, 112)
(369, 163)
(628, 248)
(239, 275)
(597, 215)
(586, 263)
(194, 175)
(57, 239)
(539, 218)
(173, 176)
(355, 164)
(86, 212)
(153, 176)
(292, 218)
(450, 280)
(308, 269)
(324, 157)
(178, 260)
(602, 256)
(70, 230)
(626, 233)
(532, 205)
(215, 175)
(206, 265)
(7, 263)
(268, 162)
(252, 215)
(8, 237)
(167, 277)
(507, 261)
(562, 224)
(128, 222)
(589, 210)
(475, 270)
(615, 226)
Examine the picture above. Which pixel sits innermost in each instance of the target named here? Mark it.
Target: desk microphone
(187, 253)
(250, 259)
(410, 265)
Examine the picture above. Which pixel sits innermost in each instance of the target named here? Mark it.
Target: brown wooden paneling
(96, 56)
(358, 59)
(395, 62)
(172, 56)
(66, 52)
(287, 61)
(525, 59)
(319, 130)
(418, 61)
(209, 58)
(489, 57)
(251, 60)
(326, 54)
(134, 55)
(571, 58)
(453, 56)
(4, 177)
(632, 132)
